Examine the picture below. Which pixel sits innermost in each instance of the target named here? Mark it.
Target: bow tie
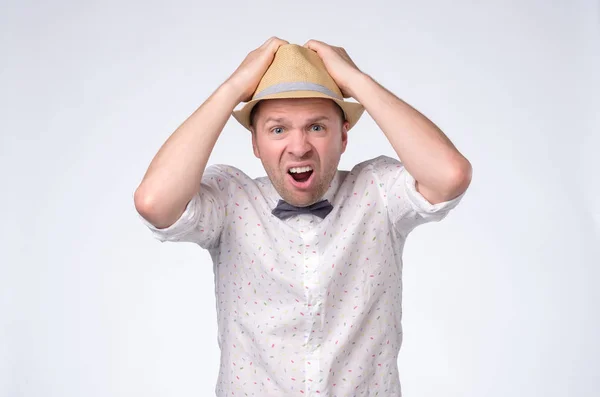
(284, 210)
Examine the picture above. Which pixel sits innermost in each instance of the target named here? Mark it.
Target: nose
(299, 144)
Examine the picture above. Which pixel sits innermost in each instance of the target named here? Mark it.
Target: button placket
(313, 301)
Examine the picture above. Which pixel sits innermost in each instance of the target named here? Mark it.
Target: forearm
(174, 174)
(428, 155)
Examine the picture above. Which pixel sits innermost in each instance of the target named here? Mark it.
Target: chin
(295, 201)
(293, 198)
(296, 198)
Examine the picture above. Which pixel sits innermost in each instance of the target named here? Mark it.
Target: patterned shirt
(307, 306)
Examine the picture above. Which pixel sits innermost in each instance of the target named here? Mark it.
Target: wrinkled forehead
(295, 107)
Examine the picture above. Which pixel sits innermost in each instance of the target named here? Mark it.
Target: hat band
(296, 86)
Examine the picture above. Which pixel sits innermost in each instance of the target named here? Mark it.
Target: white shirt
(307, 307)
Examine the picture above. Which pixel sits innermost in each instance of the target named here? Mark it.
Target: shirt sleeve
(407, 207)
(203, 218)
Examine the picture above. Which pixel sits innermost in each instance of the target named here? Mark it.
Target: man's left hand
(338, 63)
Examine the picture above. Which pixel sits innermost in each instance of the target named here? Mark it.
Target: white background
(500, 298)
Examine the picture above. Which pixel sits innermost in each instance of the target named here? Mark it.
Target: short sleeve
(407, 207)
(203, 218)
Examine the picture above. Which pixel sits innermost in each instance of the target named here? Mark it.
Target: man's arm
(441, 171)
(174, 174)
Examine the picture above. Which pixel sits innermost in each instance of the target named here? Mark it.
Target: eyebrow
(275, 119)
(318, 118)
(283, 120)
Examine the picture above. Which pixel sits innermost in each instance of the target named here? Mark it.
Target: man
(307, 260)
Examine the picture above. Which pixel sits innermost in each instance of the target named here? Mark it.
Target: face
(299, 142)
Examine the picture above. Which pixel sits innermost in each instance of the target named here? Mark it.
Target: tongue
(301, 176)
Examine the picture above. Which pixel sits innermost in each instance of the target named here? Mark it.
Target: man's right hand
(246, 77)
(175, 172)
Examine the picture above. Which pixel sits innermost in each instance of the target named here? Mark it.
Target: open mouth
(300, 174)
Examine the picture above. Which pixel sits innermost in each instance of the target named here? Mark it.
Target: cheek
(332, 148)
(269, 152)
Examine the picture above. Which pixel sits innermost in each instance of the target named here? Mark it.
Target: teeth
(297, 170)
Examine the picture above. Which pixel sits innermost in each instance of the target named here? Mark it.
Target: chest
(356, 246)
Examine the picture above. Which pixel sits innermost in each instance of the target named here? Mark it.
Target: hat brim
(352, 110)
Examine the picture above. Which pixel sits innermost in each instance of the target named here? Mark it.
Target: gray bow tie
(284, 210)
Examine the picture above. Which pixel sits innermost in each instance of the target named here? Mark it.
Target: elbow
(451, 183)
(146, 206)
(459, 178)
(144, 203)
(154, 210)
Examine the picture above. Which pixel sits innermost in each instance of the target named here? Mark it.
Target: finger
(274, 47)
(269, 41)
(314, 45)
(319, 44)
(279, 42)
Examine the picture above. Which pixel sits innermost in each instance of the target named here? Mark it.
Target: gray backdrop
(500, 298)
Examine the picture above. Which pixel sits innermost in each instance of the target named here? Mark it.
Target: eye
(277, 130)
(316, 127)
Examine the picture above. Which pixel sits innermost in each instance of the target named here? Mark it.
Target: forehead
(295, 106)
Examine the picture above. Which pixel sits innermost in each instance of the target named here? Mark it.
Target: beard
(306, 198)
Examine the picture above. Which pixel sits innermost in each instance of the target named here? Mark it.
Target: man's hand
(246, 77)
(440, 170)
(338, 64)
(175, 172)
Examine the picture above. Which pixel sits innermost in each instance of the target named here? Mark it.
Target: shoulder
(236, 181)
(226, 171)
(377, 165)
(225, 178)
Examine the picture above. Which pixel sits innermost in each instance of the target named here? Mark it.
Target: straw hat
(298, 72)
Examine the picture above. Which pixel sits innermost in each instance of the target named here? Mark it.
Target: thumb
(314, 45)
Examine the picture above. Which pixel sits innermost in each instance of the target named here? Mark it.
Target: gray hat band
(296, 86)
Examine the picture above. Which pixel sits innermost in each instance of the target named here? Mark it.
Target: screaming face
(299, 142)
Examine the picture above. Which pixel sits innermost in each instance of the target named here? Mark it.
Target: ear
(345, 127)
(254, 144)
